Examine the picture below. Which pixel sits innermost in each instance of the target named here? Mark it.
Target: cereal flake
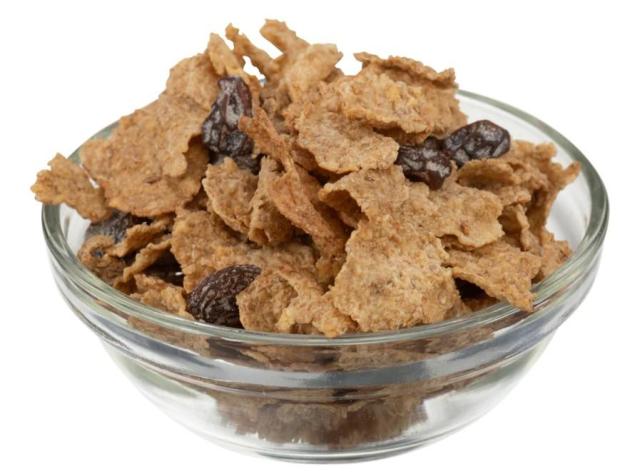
(469, 214)
(158, 293)
(341, 145)
(94, 254)
(147, 166)
(242, 46)
(393, 277)
(195, 79)
(146, 257)
(314, 64)
(501, 270)
(68, 183)
(372, 192)
(139, 235)
(267, 226)
(230, 190)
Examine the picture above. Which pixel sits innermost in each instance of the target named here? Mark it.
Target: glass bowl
(311, 398)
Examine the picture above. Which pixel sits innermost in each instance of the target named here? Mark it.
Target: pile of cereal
(312, 202)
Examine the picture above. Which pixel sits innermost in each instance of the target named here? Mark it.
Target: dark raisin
(214, 299)
(481, 139)
(220, 131)
(426, 162)
(116, 226)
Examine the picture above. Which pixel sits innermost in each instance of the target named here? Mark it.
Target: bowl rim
(119, 303)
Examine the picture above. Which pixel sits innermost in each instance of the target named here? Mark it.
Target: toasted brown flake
(318, 100)
(403, 138)
(501, 270)
(197, 238)
(487, 174)
(469, 214)
(553, 254)
(224, 61)
(509, 195)
(515, 178)
(372, 192)
(140, 235)
(346, 208)
(68, 183)
(420, 72)
(266, 138)
(480, 302)
(290, 196)
(290, 255)
(521, 159)
(525, 175)
(393, 277)
(516, 225)
(282, 37)
(497, 176)
(294, 193)
(267, 226)
(158, 293)
(203, 244)
(263, 302)
(242, 46)
(230, 190)
(340, 145)
(147, 166)
(437, 88)
(146, 257)
(542, 201)
(386, 102)
(459, 308)
(94, 254)
(194, 78)
(314, 64)
(290, 301)
(382, 102)
(312, 311)
(305, 159)
(274, 100)
(199, 202)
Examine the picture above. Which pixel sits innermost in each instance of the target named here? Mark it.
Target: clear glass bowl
(311, 398)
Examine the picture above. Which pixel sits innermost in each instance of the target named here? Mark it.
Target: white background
(67, 70)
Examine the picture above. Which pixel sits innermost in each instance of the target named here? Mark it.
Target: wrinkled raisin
(214, 299)
(116, 226)
(220, 131)
(481, 139)
(426, 162)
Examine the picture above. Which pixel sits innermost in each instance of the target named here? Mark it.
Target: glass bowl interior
(579, 216)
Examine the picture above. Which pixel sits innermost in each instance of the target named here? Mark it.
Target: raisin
(481, 139)
(214, 299)
(220, 131)
(426, 162)
(115, 226)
